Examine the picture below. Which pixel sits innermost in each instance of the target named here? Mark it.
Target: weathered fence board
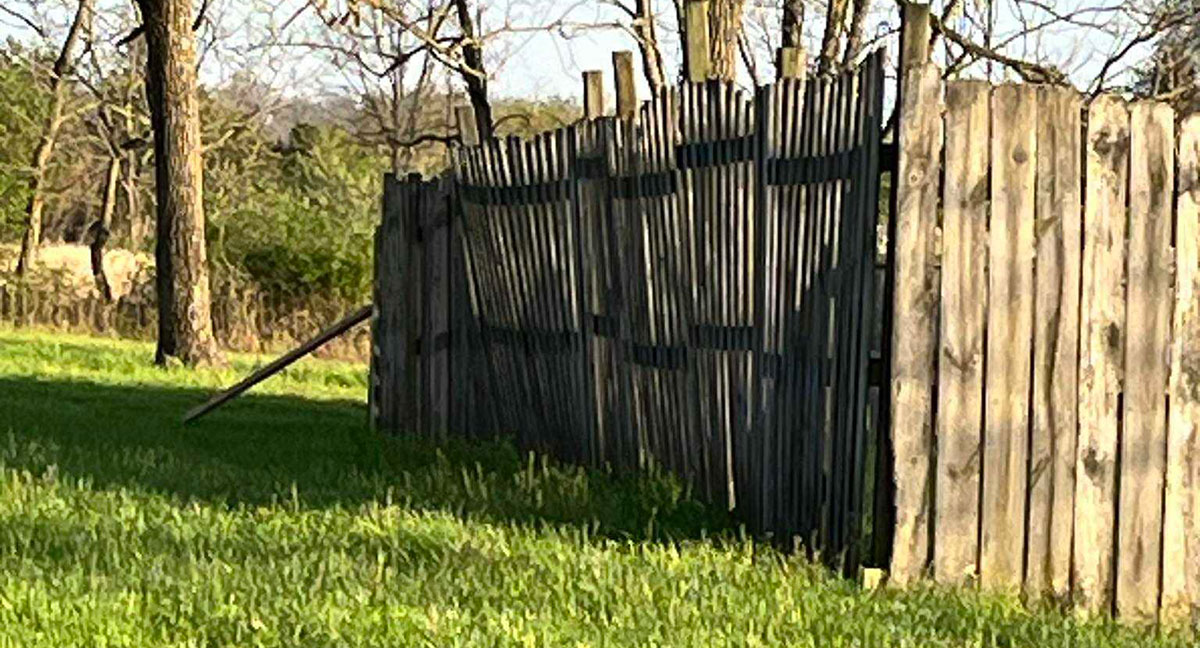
(1009, 336)
(1089, 483)
(1147, 334)
(964, 300)
(1056, 342)
(915, 318)
(1102, 333)
(1181, 512)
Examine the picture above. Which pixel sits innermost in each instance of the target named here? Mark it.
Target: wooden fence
(689, 283)
(1046, 368)
(243, 319)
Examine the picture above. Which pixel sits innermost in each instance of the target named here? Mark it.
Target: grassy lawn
(279, 521)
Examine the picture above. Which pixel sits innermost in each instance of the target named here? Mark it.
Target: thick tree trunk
(32, 236)
(724, 30)
(184, 309)
(475, 76)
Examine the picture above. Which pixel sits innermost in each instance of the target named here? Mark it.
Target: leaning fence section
(1046, 386)
(689, 284)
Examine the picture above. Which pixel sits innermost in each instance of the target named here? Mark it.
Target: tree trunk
(475, 76)
(32, 236)
(135, 227)
(647, 38)
(100, 230)
(793, 23)
(854, 38)
(136, 220)
(724, 30)
(400, 155)
(831, 42)
(184, 310)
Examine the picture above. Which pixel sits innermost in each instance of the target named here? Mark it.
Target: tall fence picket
(1143, 442)
(1181, 512)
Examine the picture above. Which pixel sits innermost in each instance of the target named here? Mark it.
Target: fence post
(626, 90)
(915, 29)
(468, 130)
(593, 94)
(699, 62)
(791, 63)
(915, 305)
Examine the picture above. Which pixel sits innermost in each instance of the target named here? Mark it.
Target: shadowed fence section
(689, 284)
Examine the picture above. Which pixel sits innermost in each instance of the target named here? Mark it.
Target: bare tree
(643, 27)
(184, 307)
(59, 91)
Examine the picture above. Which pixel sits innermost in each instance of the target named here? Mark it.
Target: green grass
(279, 521)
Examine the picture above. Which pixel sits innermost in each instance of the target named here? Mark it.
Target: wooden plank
(699, 65)
(791, 63)
(915, 306)
(767, 451)
(593, 94)
(1181, 513)
(806, 364)
(437, 242)
(468, 129)
(964, 300)
(1056, 342)
(845, 229)
(279, 364)
(915, 33)
(1148, 330)
(800, 132)
(627, 103)
(1102, 329)
(1009, 337)
(873, 98)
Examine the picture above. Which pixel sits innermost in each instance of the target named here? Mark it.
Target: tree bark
(184, 304)
(136, 225)
(854, 38)
(101, 229)
(724, 29)
(831, 42)
(647, 38)
(474, 75)
(32, 236)
(792, 27)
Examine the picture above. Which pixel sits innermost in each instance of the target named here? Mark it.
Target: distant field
(279, 521)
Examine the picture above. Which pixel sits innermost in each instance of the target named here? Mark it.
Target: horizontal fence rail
(691, 286)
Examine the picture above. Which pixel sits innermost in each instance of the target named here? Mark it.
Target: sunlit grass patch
(279, 521)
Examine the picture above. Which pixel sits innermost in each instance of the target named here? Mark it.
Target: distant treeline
(291, 187)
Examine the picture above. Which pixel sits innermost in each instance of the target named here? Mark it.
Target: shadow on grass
(265, 450)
